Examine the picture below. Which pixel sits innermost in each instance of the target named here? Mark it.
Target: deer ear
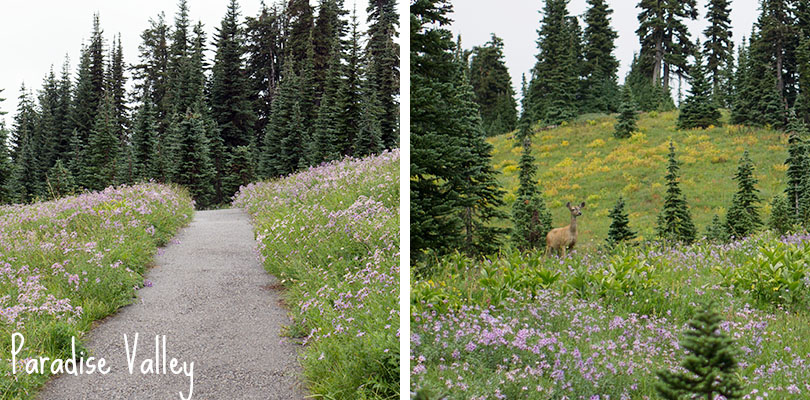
(568, 205)
(582, 205)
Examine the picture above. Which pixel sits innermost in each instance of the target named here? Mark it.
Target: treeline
(576, 71)
(455, 198)
(287, 88)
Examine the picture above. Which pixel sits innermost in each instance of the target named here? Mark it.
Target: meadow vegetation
(582, 161)
(72, 261)
(330, 234)
(603, 321)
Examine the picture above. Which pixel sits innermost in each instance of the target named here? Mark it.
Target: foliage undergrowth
(69, 262)
(331, 235)
(602, 322)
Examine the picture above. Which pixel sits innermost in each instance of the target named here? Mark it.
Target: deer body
(562, 239)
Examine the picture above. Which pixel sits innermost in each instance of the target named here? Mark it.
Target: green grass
(67, 263)
(600, 323)
(331, 235)
(582, 161)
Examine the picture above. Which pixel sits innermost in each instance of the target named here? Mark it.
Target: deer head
(575, 210)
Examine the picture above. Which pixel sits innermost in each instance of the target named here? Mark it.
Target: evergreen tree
(699, 110)
(480, 192)
(329, 27)
(192, 168)
(264, 46)
(230, 97)
(383, 53)
(647, 95)
(779, 38)
(6, 166)
(716, 231)
(743, 215)
(600, 66)
(368, 140)
(90, 83)
(284, 144)
(63, 111)
(619, 230)
(626, 123)
(102, 153)
(493, 88)
(554, 87)
(796, 174)
(353, 97)
(531, 219)
(327, 143)
(675, 222)
(145, 142)
(25, 182)
(452, 186)
(300, 23)
(49, 126)
(710, 362)
(152, 73)
(718, 46)
(782, 218)
(241, 169)
(743, 102)
(664, 37)
(60, 181)
(116, 86)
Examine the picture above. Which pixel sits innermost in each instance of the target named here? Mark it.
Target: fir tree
(353, 96)
(102, 153)
(626, 123)
(647, 95)
(675, 222)
(600, 66)
(6, 166)
(25, 182)
(60, 181)
(327, 143)
(531, 219)
(718, 46)
(300, 22)
(264, 46)
(716, 231)
(782, 219)
(145, 142)
(383, 53)
(619, 230)
(796, 174)
(493, 88)
(192, 168)
(481, 195)
(742, 218)
(64, 110)
(152, 73)
(329, 27)
(241, 169)
(778, 39)
(554, 87)
(49, 125)
(453, 192)
(90, 83)
(710, 362)
(664, 37)
(699, 110)
(230, 98)
(368, 140)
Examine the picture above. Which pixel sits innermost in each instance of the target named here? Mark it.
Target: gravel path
(212, 300)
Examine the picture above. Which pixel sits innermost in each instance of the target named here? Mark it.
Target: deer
(562, 239)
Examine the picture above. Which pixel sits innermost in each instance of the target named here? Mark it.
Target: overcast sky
(517, 21)
(36, 34)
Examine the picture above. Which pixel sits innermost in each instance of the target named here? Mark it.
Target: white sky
(36, 34)
(517, 21)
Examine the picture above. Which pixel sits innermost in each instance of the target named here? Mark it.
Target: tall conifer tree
(600, 68)
(383, 53)
(718, 46)
(675, 222)
(493, 87)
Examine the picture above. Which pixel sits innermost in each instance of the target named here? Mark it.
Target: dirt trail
(210, 298)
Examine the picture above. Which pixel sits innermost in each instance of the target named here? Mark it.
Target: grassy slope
(331, 234)
(582, 161)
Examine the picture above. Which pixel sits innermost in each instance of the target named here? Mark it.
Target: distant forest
(287, 88)
(461, 96)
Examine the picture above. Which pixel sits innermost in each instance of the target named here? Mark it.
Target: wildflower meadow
(600, 324)
(331, 236)
(69, 262)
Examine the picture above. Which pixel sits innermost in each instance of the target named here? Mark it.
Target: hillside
(582, 161)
